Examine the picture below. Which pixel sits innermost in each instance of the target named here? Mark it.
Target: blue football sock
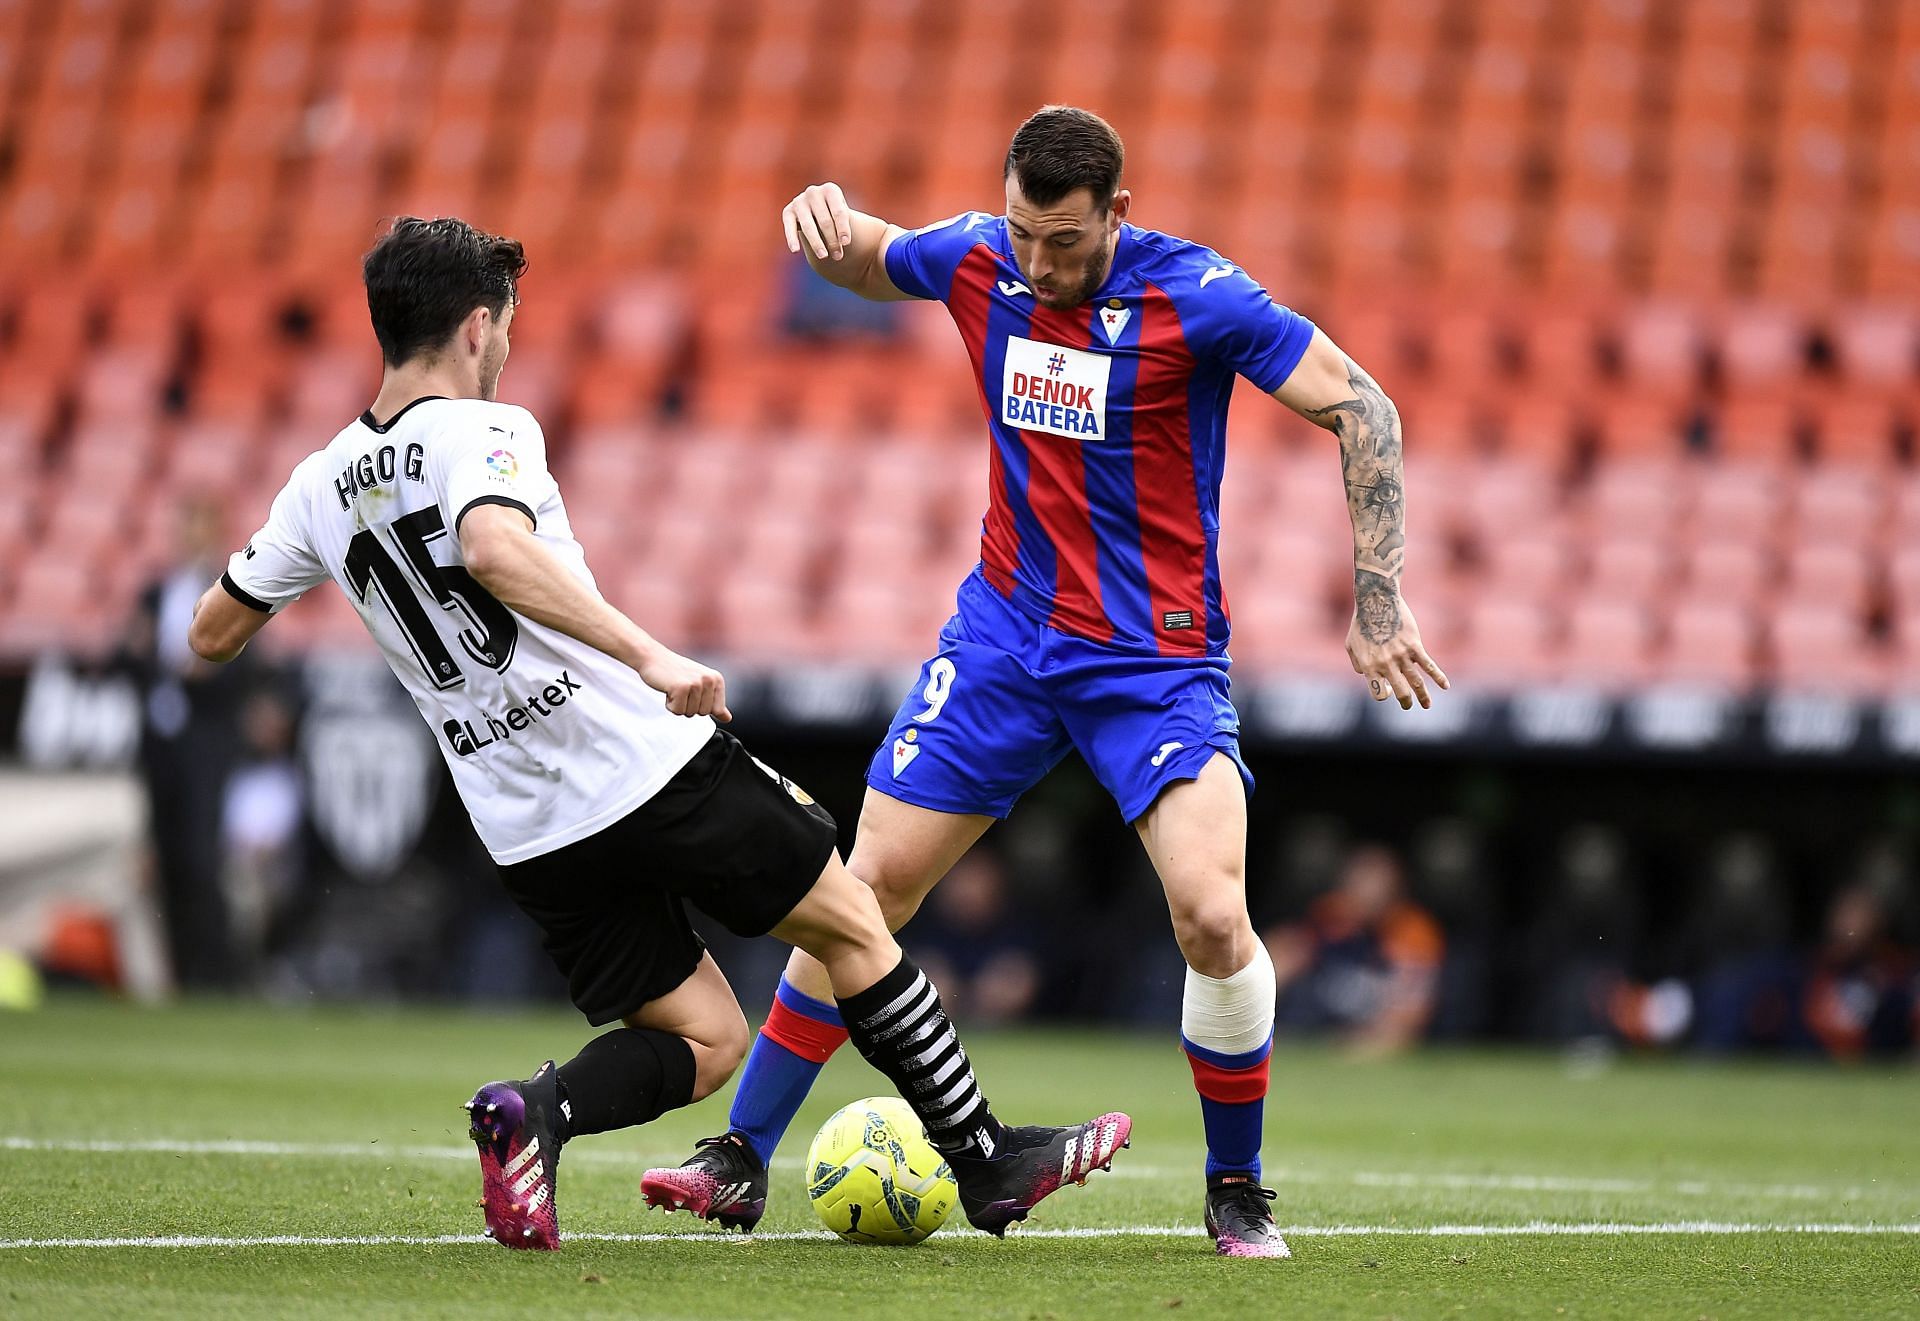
(798, 1038)
(1233, 1104)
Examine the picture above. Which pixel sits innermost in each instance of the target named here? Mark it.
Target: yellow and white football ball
(873, 1177)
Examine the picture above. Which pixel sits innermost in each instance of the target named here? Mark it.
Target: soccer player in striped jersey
(1095, 621)
(587, 755)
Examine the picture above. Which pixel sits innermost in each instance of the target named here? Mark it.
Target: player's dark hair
(424, 277)
(1061, 148)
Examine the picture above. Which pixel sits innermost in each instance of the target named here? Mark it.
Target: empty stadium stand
(1643, 277)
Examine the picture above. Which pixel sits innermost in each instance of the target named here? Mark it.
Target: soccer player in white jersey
(587, 754)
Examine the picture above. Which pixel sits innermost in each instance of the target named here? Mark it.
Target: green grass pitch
(1447, 1184)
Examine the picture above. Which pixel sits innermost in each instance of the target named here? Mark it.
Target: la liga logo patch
(501, 463)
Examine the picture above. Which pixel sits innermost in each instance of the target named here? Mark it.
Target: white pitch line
(1523, 1183)
(1531, 1229)
(240, 1147)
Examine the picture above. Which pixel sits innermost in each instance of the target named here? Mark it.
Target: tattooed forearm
(1376, 605)
(1369, 430)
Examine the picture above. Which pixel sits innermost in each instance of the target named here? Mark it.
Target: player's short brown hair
(1061, 148)
(424, 277)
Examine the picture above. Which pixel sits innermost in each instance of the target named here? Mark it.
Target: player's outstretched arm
(847, 247)
(504, 556)
(1331, 390)
(222, 627)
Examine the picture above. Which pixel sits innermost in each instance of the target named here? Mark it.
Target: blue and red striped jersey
(1109, 424)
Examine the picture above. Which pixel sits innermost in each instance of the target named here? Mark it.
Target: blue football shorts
(1006, 698)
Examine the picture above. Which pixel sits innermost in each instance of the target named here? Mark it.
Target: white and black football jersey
(549, 739)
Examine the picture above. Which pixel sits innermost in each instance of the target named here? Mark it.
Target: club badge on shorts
(904, 751)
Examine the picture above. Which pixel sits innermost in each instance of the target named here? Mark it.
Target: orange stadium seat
(1840, 503)
(1597, 163)
(1661, 346)
(1498, 79)
(1858, 429)
(1709, 82)
(1904, 520)
(1626, 568)
(54, 604)
(880, 620)
(1477, 244)
(760, 619)
(1815, 646)
(1800, 247)
(1823, 573)
(1903, 585)
(1291, 560)
(1639, 499)
(617, 459)
(208, 458)
(1446, 418)
(1517, 490)
(1739, 498)
(1709, 642)
(1757, 428)
(1535, 564)
(1608, 644)
(240, 396)
(1879, 344)
(1703, 166)
(1633, 427)
(123, 386)
(1604, 75)
(1761, 346)
(1540, 421)
(1893, 251)
(1287, 634)
(1723, 568)
(1509, 643)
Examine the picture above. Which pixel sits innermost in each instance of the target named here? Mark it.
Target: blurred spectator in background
(1365, 962)
(189, 743)
(1451, 874)
(1746, 972)
(1581, 945)
(818, 311)
(973, 945)
(1861, 994)
(264, 821)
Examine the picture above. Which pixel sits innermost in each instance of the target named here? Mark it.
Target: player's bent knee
(859, 923)
(898, 894)
(897, 903)
(1215, 938)
(717, 1052)
(839, 912)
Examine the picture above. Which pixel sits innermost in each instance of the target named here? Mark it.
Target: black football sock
(624, 1077)
(898, 1025)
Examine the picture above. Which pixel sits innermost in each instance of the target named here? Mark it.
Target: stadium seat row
(1595, 146)
(756, 544)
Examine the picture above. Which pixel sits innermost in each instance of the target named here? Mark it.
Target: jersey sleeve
(1230, 318)
(501, 462)
(922, 262)
(278, 565)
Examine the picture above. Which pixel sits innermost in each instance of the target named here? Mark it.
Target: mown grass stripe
(1529, 1229)
(1524, 1183)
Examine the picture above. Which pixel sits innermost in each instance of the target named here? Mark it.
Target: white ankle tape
(1231, 1015)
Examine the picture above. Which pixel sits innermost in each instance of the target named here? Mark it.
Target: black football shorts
(727, 834)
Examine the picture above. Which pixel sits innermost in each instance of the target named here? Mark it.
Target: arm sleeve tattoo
(1369, 430)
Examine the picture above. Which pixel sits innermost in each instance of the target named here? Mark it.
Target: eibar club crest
(903, 755)
(1113, 319)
